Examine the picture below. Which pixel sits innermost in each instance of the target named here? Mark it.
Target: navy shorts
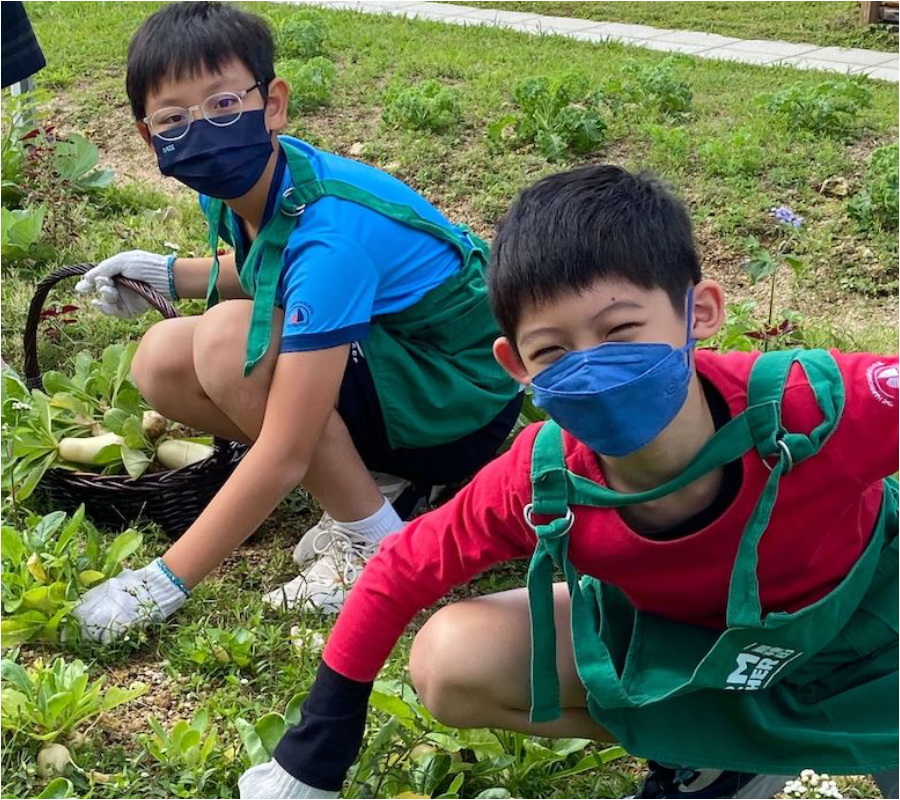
(424, 467)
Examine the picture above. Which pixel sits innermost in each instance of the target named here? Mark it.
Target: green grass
(832, 23)
(846, 296)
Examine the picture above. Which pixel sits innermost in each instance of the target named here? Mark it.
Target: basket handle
(32, 369)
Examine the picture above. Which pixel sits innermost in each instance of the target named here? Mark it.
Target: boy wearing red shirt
(723, 522)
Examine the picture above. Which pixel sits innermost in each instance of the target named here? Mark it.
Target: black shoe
(664, 781)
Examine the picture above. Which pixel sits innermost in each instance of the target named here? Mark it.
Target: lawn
(832, 23)
(733, 140)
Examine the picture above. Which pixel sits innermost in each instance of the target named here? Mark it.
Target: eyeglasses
(220, 109)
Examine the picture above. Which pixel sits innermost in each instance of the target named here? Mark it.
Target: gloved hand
(271, 780)
(135, 264)
(132, 598)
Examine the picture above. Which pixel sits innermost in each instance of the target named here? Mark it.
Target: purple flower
(785, 216)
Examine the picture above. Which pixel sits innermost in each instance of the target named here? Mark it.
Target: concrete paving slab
(850, 55)
(669, 47)
(741, 56)
(804, 62)
(708, 40)
(560, 25)
(633, 31)
(780, 49)
(500, 17)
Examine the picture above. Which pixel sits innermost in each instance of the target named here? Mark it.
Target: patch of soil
(114, 133)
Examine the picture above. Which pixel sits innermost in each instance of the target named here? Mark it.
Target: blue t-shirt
(344, 263)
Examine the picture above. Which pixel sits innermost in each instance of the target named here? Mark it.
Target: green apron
(773, 693)
(432, 364)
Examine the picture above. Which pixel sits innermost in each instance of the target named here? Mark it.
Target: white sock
(382, 523)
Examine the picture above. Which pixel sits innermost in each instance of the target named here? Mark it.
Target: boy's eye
(225, 103)
(623, 328)
(555, 350)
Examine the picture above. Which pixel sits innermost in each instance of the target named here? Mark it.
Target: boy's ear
(508, 357)
(709, 309)
(277, 104)
(145, 133)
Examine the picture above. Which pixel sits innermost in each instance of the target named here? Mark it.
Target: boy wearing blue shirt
(349, 331)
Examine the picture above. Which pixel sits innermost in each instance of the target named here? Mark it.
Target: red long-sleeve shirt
(822, 520)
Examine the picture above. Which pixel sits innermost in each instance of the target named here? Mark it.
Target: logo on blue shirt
(299, 314)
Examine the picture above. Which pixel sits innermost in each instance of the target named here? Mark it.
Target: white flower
(806, 775)
(307, 641)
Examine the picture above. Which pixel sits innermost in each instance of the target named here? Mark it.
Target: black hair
(186, 38)
(570, 229)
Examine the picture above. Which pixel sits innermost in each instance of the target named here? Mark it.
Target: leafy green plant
(218, 648)
(21, 234)
(831, 108)
(659, 87)
(411, 753)
(94, 418)
(877, 205)
(189, 752)
(738, 154)
(261, 738)
(428, 106)
(47, 565)
(43, 174)
(558, 115)
(48, 702)
(312, 83)
(302, 36)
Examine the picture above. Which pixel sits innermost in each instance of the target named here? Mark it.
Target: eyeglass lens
(221, 109)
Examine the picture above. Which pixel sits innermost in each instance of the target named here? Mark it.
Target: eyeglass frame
(190, 111)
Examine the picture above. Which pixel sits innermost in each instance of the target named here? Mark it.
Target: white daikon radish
(154, 424)
(178, 453)
(53, 760)
(86, 450)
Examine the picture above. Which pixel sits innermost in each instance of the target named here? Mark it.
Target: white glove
(135, 264)
(132, 598)
(271, 780)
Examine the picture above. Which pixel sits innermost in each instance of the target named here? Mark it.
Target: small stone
(835, 187)
(357, 149)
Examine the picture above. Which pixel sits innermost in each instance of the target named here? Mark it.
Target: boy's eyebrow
(612, 306)
(212, 88)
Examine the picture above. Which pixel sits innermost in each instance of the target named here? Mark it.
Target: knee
(438, 671)
(219, 346)
(162, 360)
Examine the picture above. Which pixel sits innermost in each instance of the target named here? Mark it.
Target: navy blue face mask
(619, 396)
(222, 162)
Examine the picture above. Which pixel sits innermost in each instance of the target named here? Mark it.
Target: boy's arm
(305, 387)
(865, 441)
(274, 465)
(192, 277)
(482, 526)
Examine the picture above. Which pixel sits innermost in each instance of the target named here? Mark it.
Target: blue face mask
(619, 396)
(223, 162)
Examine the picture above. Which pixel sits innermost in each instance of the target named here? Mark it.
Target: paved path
(873, 63)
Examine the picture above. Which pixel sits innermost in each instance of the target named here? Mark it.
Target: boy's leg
(491, 686)
(163, 369)
(191, 370)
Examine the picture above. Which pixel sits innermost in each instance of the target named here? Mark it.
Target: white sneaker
(341, 556)
(390, 486)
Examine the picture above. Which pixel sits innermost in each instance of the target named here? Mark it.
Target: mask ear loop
(689, 320)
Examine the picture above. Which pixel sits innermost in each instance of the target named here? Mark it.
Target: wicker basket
(174, 498)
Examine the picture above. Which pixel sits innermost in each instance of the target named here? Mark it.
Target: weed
(428, 106)
(878, 203)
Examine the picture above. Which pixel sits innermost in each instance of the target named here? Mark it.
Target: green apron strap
(548, 470)
(768, 379)
(215, 214)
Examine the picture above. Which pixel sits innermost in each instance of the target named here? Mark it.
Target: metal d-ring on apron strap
(701, 659)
